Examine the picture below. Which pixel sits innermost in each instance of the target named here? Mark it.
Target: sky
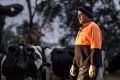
(117, 3)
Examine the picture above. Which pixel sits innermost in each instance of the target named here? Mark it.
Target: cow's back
(62, 61)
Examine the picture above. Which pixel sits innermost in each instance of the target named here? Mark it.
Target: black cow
(14, 64)
(114, 64)
(62, 61)
(8, 10)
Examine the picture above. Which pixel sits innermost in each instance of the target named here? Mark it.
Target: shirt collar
(86, 24)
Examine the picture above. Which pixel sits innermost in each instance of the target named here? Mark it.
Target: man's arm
(96, 41)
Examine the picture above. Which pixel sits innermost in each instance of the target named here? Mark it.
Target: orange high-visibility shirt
(89, 34)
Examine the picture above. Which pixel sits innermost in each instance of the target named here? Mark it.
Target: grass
(113, 76)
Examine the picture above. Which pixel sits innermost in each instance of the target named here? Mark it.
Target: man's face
(81, 17)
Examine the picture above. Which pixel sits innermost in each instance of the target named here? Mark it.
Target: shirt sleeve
(96, 38)
(95, 42)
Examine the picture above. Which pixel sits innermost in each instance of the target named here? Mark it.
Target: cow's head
(37, 54)
(14, 50)
(18, 61)
(47, 52)
(21, 54)
(20, 49)
(10, 10)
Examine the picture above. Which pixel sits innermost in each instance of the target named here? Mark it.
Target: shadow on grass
(113, 76)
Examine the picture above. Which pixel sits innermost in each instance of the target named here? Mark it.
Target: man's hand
(92, 71)
(72, 70)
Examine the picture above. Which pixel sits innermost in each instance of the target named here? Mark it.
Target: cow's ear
(12, 48)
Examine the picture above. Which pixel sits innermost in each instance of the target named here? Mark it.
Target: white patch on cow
(100, 74)
(38, 51)
(21, 47)
(104, 60)
(102, 68)
(38, 63)
(3, 61)
(48, 54)
(49, 71)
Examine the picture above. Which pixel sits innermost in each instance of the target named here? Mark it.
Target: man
(87, 47)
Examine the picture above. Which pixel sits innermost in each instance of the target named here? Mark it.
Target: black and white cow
(58, 62)
(22, 62)
(14, 63)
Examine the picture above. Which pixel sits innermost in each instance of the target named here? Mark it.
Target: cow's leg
(28, 78)
(100, 74)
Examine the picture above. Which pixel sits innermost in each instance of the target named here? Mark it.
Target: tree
(10, 36)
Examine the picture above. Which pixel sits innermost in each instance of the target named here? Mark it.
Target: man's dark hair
(87, 10)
